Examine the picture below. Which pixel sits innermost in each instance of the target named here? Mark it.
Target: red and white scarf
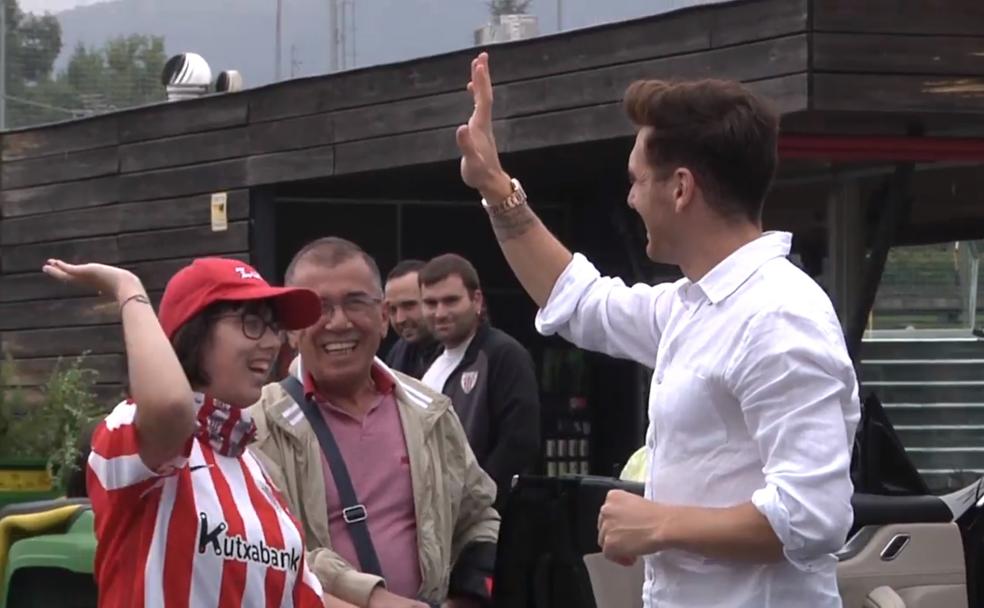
(227, 428)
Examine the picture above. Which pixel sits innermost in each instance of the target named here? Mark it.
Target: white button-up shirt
(753, 398)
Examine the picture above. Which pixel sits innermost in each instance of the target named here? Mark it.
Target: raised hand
(480, 166)
(106, 280)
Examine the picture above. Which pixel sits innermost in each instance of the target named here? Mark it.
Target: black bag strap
(354, 512)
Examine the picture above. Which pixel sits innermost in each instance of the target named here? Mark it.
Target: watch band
(516, 199)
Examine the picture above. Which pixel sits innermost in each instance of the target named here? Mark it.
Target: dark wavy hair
(718, 129)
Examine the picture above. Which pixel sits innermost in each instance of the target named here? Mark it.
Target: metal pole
(3, 64)
(342, 26)
(975, 268)
(845, 245)
(560, 15)
(893, 202)
(279, 41)
(333, 35)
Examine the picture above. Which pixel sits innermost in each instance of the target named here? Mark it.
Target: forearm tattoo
(513, 223)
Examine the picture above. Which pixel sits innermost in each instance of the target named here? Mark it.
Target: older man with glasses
(397, 511)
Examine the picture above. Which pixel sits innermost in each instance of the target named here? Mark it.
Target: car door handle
(894, 547)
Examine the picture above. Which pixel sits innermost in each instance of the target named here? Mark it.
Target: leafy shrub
(49, 430)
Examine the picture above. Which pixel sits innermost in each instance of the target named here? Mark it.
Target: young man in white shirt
(753, 404)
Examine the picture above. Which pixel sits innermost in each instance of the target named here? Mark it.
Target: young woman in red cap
(184, 515)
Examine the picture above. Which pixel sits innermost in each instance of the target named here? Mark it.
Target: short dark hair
(725, 134)
(404, 268)
(446, 265)
(332, 251)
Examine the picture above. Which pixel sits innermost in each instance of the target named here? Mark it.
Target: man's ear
(684, 189)
(384, 312)
(294, 338)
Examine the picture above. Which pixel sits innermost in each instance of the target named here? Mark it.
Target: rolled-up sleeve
(603, 314)
(799, 398)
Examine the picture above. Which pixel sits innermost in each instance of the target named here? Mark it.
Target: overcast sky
(52, 6)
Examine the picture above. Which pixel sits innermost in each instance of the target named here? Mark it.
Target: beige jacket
(453, 496)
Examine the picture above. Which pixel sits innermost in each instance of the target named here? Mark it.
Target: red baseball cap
(209, 280)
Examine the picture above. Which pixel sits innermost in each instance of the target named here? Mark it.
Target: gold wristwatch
(516, 199)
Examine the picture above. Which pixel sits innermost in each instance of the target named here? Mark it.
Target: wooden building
(881, 103)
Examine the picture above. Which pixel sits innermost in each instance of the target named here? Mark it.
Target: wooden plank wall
(550, 91)
(896, 56)
(133, 188)
(88, 191)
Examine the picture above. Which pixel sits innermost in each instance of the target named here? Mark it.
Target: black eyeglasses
(255, 325)
(354, 305)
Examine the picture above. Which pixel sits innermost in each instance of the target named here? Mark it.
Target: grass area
(921, 288)
(932, 264)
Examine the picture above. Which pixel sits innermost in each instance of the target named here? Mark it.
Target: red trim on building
(881, 148)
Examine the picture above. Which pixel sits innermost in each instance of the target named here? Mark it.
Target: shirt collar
(725, 278)
(384, 381)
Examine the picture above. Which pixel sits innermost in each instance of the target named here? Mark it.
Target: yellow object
(20, 480)
(16, 527)
(637, 467)
(220, 217)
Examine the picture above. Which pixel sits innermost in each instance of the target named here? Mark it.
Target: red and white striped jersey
(207, 531)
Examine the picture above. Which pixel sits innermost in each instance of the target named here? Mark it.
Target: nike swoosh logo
(198, 466)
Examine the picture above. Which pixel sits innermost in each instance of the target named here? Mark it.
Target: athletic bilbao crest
(468, 381)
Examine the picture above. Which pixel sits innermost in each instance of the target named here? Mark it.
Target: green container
(53, 570)
(25, 480)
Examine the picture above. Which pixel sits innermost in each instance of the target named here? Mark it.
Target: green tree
(124, 73)
(83, 68)
(38, 43)
(33, 44)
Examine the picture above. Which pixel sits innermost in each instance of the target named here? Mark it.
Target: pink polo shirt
(375, 452)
